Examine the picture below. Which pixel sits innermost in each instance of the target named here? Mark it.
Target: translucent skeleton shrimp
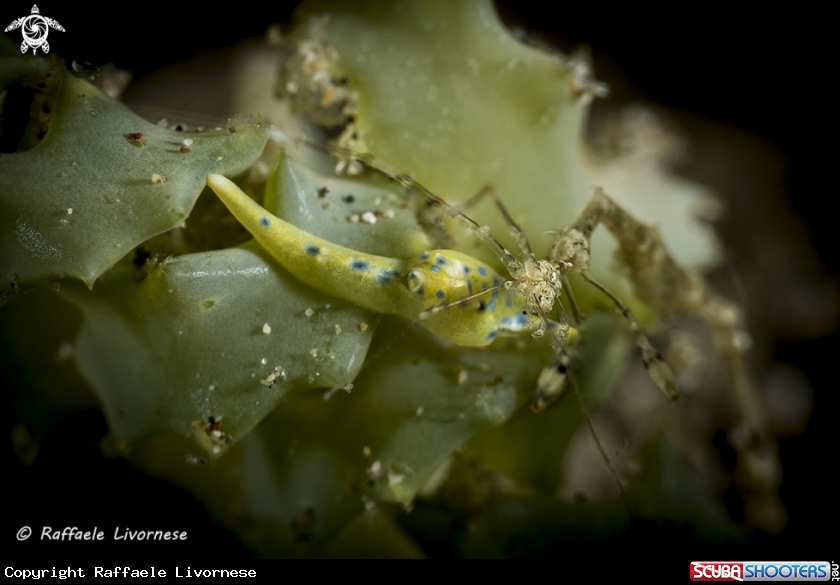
(427, 288)
(659, 281)
(537, 283)
(464, 301)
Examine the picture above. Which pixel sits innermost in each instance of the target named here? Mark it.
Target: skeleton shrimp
(429, 287)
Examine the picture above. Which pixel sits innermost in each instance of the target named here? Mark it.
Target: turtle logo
(35, 28)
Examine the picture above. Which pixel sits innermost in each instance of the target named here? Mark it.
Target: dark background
(762, 72)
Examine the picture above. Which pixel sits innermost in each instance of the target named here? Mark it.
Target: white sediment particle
(263, 361)
(188, 141)
(462, 376)
(369, 217)
(268, 381)
(266, 329)
(69, 211)
(309, 312)
(156, 178)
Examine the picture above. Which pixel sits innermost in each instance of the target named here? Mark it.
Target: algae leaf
(187, 344)
(86, 195)
(445, 93)
(226, 335)
(312, 466)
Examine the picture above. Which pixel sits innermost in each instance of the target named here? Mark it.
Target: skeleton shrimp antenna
(610, 467)
(483, 233)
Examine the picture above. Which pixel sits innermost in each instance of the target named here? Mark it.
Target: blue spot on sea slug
(359, 265)
(386, 276)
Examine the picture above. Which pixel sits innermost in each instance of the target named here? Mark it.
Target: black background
(766, 72)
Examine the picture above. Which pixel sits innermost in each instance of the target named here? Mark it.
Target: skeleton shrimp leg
(662, 283)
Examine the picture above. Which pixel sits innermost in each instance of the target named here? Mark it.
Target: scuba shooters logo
(35, 29)
(760, 571)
